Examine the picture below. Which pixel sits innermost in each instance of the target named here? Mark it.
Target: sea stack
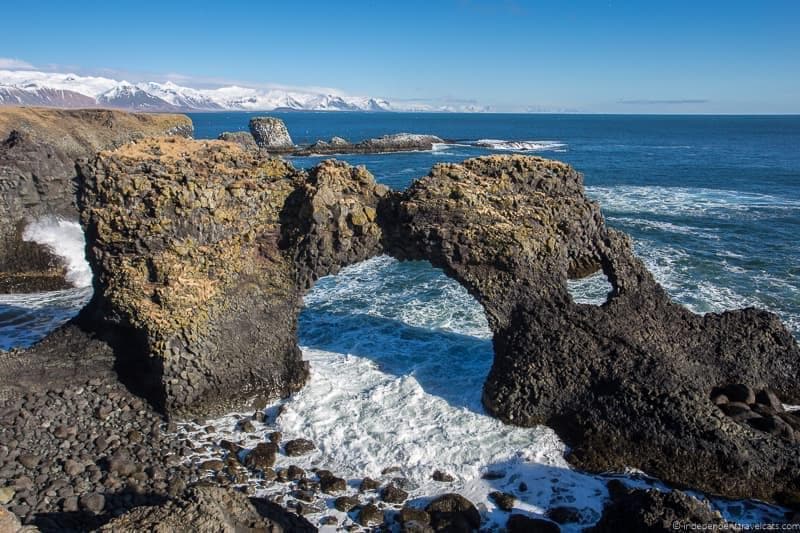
(270, 133)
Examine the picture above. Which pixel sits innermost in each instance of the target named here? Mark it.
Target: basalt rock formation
(628, 383)
(270, 133)
(183, 239)
(38, 151)
(201, 252)
(398, 142)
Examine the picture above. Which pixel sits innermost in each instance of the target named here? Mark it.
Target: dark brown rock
(262, 456)
(370, 515)
(298, 447)
(513, 230)
(393, 494)
(503, 500)
(453, 510)
(652, 510)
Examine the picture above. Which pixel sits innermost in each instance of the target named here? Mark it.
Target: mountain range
(52, 89)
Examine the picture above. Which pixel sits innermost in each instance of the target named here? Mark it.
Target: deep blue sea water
(399, 352)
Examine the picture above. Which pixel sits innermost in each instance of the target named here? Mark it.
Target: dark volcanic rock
(627, 383)
(297, 447)
(204, 509)
(38, 151)
(453, 511)
(183, 241)
(196, 246)
(336, 220)
(652, 511)
(398, 142)
(370, 515)
(271, 134)
(393, 494)
(262, 456)
(504, 500)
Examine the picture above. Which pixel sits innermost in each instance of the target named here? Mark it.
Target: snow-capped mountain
(129, 96)
(53, 89)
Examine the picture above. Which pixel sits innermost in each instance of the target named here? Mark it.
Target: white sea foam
(692, 202)
(592, 289)
(398, 357)
(521, 146)
(65, 239)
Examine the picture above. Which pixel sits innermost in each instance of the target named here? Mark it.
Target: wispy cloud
(14, 64)
(679, 101)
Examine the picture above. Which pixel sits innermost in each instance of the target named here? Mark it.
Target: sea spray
(65, 239)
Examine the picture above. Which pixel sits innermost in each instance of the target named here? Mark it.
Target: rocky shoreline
(196, 246)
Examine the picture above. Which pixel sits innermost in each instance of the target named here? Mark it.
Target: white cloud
(12, 63)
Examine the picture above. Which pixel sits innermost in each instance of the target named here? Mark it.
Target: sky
(649, 56)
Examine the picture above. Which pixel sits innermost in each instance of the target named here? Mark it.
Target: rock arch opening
(408, 319)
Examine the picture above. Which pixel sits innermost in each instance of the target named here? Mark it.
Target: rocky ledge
(398, 142)
(270, 134)
(201, 252)
(38, 151)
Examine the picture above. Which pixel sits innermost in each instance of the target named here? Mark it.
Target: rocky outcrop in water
(654, 511)
(625, 384)
(398, 142)
(38, 151)
(270, 133)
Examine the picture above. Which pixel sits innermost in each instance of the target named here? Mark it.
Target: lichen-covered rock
(270, 133)
(336, 220)
(242, 138)
(625, 384)
(38, 151)
(183, 239)
(207, 509)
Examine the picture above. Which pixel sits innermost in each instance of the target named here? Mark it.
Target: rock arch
(201, 252)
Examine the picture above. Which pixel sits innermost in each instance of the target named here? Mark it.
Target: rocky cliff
(184, 243)
(38, 151)
(202, 250)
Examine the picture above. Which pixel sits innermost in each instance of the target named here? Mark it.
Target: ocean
(399, 352)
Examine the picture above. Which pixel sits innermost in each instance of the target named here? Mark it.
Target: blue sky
(649, 56)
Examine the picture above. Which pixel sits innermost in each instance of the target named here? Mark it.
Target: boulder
(270, 133)
(653, 510)
(335, 220)
(207, 509)
(297, 447)
(242, 138)
(453, 511)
